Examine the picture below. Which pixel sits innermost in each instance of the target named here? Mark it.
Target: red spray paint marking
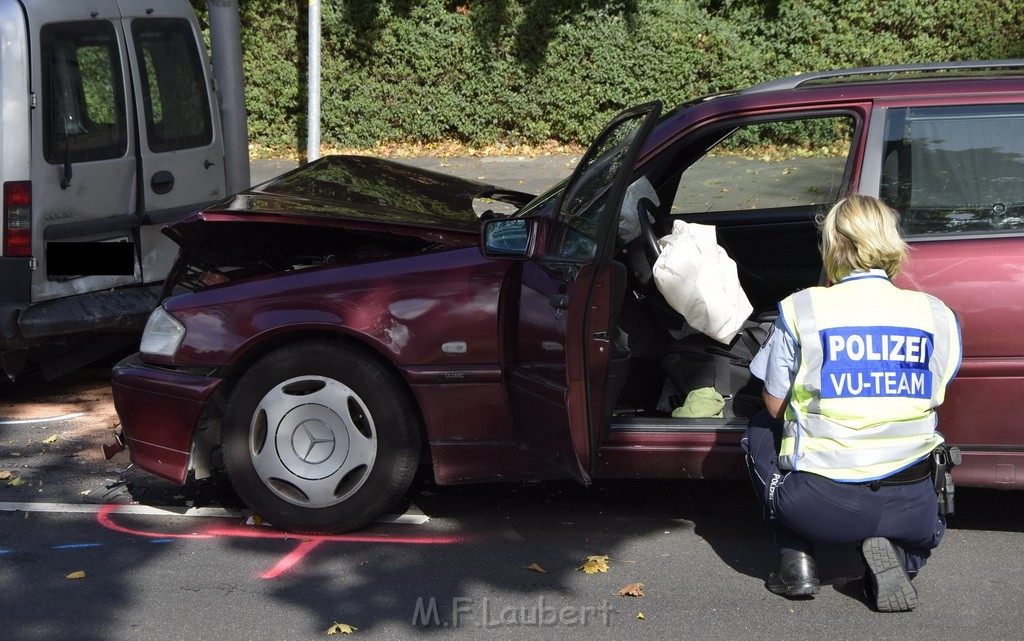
(306, 543)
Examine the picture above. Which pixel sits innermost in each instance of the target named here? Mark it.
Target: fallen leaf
(342, 628)
(15, 453)
(640, 615)
(536, 568)
(75, 575)
(633, 589)
(16, 481)
(49, 440)
(4, 475)
(594, 564)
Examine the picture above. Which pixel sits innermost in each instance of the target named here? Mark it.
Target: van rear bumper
(15, 280)
(15, 293)
(117, 310)
(120, 311)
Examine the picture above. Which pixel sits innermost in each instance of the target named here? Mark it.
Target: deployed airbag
(699, 280)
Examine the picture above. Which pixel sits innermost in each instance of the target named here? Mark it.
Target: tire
(320, 437)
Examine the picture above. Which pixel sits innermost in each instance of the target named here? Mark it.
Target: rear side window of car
(83, 93)
(174, 95)
(955, 169)
(769, 165)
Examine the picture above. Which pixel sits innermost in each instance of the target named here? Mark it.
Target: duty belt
(914, 474)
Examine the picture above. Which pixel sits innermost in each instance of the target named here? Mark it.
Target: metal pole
(313, 109)
(226, 51)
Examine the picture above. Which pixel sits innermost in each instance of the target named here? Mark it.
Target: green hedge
(480, 72)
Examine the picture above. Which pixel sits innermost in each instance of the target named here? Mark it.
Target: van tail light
(17, 218)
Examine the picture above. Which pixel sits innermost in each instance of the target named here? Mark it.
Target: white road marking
(413, 516)
(48, 419)
(94, 508)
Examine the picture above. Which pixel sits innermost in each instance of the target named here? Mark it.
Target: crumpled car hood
(359, 192)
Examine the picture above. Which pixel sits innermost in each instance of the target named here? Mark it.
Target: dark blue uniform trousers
(802, 507)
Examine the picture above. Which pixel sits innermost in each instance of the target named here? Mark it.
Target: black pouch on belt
(944, 459)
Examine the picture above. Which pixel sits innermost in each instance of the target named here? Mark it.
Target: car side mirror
(507, 237)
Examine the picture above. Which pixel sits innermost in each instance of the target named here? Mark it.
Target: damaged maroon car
(322, 334)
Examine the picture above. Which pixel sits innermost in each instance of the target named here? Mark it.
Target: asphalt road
(162, 561)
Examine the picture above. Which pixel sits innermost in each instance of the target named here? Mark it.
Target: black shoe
(886, 582)
(797, 576)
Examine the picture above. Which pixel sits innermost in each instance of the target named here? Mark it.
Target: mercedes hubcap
(312, 441)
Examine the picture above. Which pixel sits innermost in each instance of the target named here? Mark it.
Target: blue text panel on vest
(876, 361)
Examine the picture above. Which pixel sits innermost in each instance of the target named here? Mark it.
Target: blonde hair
(861, 233)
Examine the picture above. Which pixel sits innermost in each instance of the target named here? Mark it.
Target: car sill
(668, 424)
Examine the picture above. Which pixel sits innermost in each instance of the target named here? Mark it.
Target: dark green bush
(524, 71)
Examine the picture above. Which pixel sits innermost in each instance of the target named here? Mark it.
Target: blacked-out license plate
(90, 259)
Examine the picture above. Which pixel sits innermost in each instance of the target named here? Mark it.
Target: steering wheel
(645, 209)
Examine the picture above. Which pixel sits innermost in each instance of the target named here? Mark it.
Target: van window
(955, 169)
(173, 85)
(83, 93)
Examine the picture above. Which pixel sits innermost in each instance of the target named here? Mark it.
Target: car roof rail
(885, 73)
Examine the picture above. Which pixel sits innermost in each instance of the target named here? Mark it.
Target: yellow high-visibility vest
(875, 361)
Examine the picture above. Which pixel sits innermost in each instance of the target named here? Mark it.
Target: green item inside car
(703, 402)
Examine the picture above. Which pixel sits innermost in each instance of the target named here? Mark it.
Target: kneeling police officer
(853, 374)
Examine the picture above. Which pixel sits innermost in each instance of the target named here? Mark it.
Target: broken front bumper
(159, 410)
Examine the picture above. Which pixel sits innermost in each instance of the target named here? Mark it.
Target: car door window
(83, 93)
(768, 165)
(761, 181)
(584, 205)
(955, 169)
(176, 106)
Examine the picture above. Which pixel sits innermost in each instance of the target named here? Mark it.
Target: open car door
(559, 356)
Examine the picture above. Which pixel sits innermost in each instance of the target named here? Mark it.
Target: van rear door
(129, 140)
(180, 145)
(84, 165)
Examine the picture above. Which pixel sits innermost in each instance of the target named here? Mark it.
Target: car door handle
(162, 182)
(559, 301)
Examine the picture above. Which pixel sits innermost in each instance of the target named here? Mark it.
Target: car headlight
(163, 334)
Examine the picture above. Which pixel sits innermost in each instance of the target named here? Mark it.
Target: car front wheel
(320, 437)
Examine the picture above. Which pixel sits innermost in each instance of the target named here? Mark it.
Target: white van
(110, 128)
